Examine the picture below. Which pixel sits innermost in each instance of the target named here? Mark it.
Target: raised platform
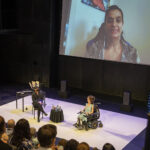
(118, 129)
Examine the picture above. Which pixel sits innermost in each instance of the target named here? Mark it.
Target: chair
(33, 112)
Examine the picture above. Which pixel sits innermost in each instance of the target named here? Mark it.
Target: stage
(118, 129)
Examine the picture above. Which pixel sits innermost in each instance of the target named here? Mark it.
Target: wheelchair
(92, 120)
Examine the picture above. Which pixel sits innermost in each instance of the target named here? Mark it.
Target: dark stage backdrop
(28, 46)
(31, 52)
(106, 77)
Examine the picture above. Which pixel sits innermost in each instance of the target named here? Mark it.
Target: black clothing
(36, 99)
(4, 146)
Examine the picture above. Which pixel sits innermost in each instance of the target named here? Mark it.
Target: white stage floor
(118, 129)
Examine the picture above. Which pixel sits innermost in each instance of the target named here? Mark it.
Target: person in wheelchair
(88, 110)
(89, 116)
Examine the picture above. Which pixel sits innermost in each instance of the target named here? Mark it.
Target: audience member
(61, 144)
(71, 145)
(95, 148)
(34, 137)
(10, 127)
(21, 135)
(83, 146)
(3, 146)
(108, 146)
(47, 137)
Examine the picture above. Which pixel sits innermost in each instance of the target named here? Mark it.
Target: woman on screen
(109, 43)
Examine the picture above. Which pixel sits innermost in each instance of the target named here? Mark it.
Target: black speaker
(126, 98)
(126, 106)
(63, 85)
(63, 89)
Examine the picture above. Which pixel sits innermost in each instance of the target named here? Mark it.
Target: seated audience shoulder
(3, 145)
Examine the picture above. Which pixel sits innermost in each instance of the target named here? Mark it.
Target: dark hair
(113, 7)
(91, 98)
(95, 148)
(108, 146)
(83, 146)
(21, 131)
(32, 132)
(2, 125)
(62, 142)
(46, 134)
(10, 123)
(71, 145)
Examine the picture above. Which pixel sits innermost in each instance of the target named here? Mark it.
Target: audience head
(47, 135)
(2, 126)
(33, 132)
(21, 131)
(11, 123)
(71, 145)
(108, 146)
(83, 146)
(95, 148)
(62, 142)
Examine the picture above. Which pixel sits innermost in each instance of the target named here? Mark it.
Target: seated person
(10, 127)
(34, 137)
(37, 99)
(89, 109)
(47, 136)
(108, 146)
(21, 135)
(3, 143)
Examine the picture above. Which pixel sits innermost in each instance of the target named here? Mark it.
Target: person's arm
(92, 110)
(83, 109)
(41, 97)
(34, 100)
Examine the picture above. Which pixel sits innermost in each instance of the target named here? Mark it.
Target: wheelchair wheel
(100, 124)
(94, 125)
(86, 128)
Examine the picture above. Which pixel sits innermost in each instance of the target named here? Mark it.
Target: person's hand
(40, 102)
(87, 113)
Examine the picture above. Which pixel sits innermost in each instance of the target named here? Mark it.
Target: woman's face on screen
(114, 24)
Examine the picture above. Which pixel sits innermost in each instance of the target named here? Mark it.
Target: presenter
(109, 43)
(37, 99)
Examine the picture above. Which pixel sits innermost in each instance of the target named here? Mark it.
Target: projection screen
(86, 30)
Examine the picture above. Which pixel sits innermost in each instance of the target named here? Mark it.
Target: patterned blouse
(96, 47)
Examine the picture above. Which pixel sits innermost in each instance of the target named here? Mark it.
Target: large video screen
(114, 30)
